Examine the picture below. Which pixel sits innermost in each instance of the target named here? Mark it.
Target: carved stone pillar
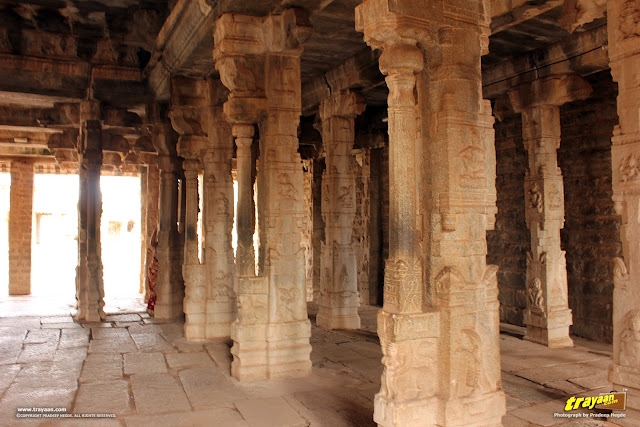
(20, 220)
(271, 335)
(89, 279)
(339, 299)
(624, 53)
(151, 199)
(245, 256)
(218, 221)
(548, 316)
(440, 297)
(169, 288)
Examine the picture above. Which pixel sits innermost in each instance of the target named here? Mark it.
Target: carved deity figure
(630, 340)
(405, 378)
(535, 198)
(629, 168)
(536, 299)
(152, 274)
(630, 19)
(286, 190)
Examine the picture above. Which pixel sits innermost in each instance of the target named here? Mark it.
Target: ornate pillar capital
(553, 90)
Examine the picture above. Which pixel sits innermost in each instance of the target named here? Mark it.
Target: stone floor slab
(219, 417)
(158, 393)
(71, 338)
(144, 363)
(109, 333)
(178, 361)
(39, 336)
(152, 342)
(207, 387)
(7, 375)
(38, 352)
(56, 319)
(108, 397)
(133, 317)
(101, 367)
(115, 345)
(273, 412)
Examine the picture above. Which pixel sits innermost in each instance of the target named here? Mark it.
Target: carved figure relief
(236, 75)
(222, 205)
(629, 168)
(535, 297)
(252, 309)
(535, 198)
(346, 197)
(473, 162)
(406, 378)
(555, 202)
(286, 190)
(222, 287)
(630, 339)
(288, 300)
(469, 364)
(630, 19)
(343, 280)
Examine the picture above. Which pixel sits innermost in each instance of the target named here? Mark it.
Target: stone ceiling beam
(583, 54)
(522, 13)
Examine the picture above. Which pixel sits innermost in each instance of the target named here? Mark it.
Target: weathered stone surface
(107, 397)
(37, 352)
(144, 363)
(101, 367)
(207, 387)
(38, 336)
(180, 361)
(113, 345)
(158, 393)
(152, 342)
(224, 417)
(71, 338)
(268, 412)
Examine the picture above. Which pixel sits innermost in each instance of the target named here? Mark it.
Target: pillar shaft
(20, 222)
(245, 253)
(339, 298)
(193, 273)
(170, 287)
(440, 297)
(271, 335)
(152, 197)
(548, 316)
(90, 284)
(624, 53)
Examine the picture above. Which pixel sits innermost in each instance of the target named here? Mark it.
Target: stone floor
(146, 373)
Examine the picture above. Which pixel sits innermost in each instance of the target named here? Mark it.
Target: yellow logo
(612, 401)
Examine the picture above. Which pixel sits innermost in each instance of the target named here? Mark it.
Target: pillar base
(279, 350)
(338, 318)
(627, 378)
(220, 317)
(168, 311)
(387, 412)
(551, 331)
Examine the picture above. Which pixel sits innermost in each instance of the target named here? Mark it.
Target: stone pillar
(89, 280)
(193, 273)
(245, 256)
(440, 297)
(307, 227)
(624, 53)
(20, 221)
(271, 335)
(170, 287)
(339, 298)
(152, 194)
(361, 163)
(548, 316)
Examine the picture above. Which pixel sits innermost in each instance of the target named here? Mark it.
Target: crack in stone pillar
(548, 316)
(624, 53)
(339, 298)
(89, 280)
(170, 285)
(440, 297)
(259, 62)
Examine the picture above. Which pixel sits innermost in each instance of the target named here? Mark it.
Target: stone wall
(20, 221)
(591, 234)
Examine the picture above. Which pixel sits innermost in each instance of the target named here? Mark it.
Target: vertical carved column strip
(339, 299)
(152, 199)
(624, 54)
